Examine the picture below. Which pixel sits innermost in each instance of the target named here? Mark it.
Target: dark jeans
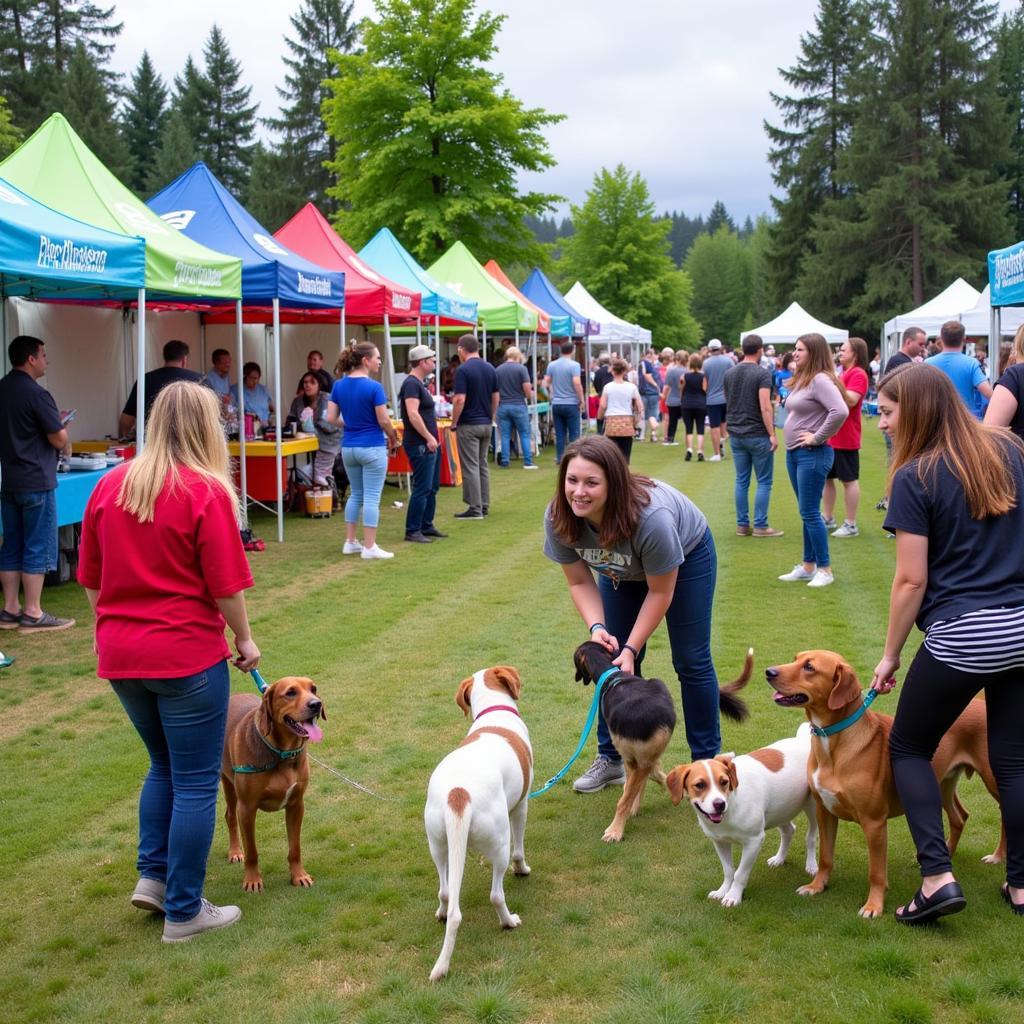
(425, 483)
(752, 453)
(181, 721)
(933, 696)
(808, 469)
(29, 532)
(689, 635)
(567, 426)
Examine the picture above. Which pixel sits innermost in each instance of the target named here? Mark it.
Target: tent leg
(391, 364)
(140, 390)
(341, 339)
(240, 356)
(278, 420)
(3, 330)
(419, 331)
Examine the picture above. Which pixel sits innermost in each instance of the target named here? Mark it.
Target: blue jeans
(567, 426)
(181, 721)
(30, 532)
(517, 416)
(426, 482)
(689, 635)
(367, 469)
(808, 468)
(752, 453)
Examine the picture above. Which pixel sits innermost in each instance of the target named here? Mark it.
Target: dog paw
(304, 880)
(522, 869)
(810, 890)
(871, 910)
(441, 914)
(732, 899)
(253, 884)
(438, 973)
(235, 856)
(811, 867)
(612, 835)
(992, 858)
(717, 894)
(777, 862)
(514, 921)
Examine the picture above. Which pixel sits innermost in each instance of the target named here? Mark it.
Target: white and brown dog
(737, 799)
(477, 798)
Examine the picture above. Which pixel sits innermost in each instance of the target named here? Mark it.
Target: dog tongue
(313, 732)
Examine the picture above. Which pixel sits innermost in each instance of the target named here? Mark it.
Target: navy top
(358, 398)
(476, 379)
(412, 387)
(1013, 380)
(28, 462)
(694, 396)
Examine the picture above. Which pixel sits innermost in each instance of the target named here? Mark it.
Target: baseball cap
(418, 352)
(714, 343)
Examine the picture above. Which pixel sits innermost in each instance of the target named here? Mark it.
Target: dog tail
(457, 813)
(730, 705)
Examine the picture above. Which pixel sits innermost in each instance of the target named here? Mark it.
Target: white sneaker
(208, 918)
(376, 552)
(797, 573)
(352, 547)
(715, 458)
(822, 578)
(830, 524)
(847, 530)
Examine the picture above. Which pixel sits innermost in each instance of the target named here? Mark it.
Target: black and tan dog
(265, 768)
(641, 717)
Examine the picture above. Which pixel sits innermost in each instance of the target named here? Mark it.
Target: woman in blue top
(257, 397)
(359, 402)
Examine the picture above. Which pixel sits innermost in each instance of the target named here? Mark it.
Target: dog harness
(282, 755)
(831, 730)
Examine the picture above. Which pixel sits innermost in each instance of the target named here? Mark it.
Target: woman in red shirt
(855, 377)
(162, 563)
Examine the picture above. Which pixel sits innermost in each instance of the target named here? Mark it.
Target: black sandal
(1017, 908)
(949, 899)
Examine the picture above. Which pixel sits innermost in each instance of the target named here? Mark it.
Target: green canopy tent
(56, 167)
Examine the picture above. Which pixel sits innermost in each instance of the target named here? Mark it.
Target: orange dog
(265, 768)
(849, 771)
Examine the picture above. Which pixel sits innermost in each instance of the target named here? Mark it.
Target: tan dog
(849, 771)
(265, 768)
(477, 799)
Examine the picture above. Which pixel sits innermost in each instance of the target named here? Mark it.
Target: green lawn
(610, 934)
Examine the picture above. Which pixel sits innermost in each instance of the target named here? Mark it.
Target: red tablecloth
(451, 469)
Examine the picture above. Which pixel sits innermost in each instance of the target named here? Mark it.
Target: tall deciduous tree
(621, 251)
(429, 142)
(10, 137)
(719, 266)
(143, 118)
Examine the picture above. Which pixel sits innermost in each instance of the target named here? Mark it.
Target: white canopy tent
(947, 305)
(791, 323)
(613, 329)
(978, 318)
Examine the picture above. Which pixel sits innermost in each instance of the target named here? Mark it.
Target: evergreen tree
(682, 232)
(85, 101)
(621, 250)
(17, 52)
(145, 112)
(925, 202)
(300, 170)
(10, 137)
(758, 244)
(429, 142)
(817, 122)
(719, 266)
(1010, 60)
(193, 98)
(269, 197)
(176, 153)
(719, 218)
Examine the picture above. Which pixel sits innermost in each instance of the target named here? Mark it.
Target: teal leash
(261, 683)
(587, 726)
(831, 730)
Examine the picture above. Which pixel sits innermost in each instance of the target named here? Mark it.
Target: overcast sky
(674, 89)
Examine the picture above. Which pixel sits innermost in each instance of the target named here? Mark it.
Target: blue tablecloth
(73, 491)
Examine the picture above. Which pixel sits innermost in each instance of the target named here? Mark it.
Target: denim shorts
(30, 532)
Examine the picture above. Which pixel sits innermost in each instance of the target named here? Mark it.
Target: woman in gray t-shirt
(654, 557)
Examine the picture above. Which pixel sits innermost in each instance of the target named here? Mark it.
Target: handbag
(619, 426)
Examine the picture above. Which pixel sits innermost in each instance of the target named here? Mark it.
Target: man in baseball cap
(420, 439)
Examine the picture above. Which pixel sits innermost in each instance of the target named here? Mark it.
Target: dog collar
(831, 730)
(282, 755)
(497, 707)
(607, 674)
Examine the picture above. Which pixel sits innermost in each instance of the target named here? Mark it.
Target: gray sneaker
(149, 895)
(603, 772)
(208, 918)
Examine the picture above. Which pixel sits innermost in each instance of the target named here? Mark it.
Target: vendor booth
(613, 333)
(947, 305)
(1006, 288)
(793, 321)
(977, 320)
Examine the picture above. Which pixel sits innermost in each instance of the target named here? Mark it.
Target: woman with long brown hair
(655, 559)
(845, 443)
(162, 564)
(955, 490)
(816, 408)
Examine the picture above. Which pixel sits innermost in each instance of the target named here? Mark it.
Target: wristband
(630, 647)
(597, 625)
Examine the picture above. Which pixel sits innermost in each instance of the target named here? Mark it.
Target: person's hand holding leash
(625, 659)
(884, 678)
(248, 655)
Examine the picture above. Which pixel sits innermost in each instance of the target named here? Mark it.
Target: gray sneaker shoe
(603, 772)
(208, 918)
(149, 895)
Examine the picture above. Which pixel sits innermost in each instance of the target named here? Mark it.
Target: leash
(587, 726)
(831, 730)
(262, 686)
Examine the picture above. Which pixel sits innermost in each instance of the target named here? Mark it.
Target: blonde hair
(1018, 346)
(184, 430)
(513, 355)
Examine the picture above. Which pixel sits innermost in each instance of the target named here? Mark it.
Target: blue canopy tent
(199, 206)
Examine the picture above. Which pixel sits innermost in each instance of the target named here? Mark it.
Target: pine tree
(719, 218)
(145, 112)
(176, 153)
(85, 101)
(10, 137)
(21, 91)
(1010, 62)
(429, 142)
(193, 98)
(320, 26)
(719, 266)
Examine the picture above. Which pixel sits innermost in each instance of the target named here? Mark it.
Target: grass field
(610, 934)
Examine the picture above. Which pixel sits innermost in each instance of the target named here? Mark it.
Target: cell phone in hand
(67, 416)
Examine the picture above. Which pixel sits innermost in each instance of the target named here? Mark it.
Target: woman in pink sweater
(816, 408)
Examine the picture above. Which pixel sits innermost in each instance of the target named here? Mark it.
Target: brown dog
(265, 768)
(849, 771)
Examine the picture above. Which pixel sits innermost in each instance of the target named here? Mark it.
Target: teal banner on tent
(1006, 275)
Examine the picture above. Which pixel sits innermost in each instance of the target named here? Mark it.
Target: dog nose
(315, 705)
(771, 673)
(719, 806)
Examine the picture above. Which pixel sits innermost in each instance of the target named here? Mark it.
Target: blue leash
(587, 726)
(261, 683)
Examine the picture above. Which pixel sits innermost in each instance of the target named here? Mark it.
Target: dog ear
(845, 687)
(462, 694)
(579, 659)
(265, 712)
(730, 768)
(675, 782)
(508, 677)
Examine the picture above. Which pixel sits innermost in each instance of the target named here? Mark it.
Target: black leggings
(694, 418)
(934, 695)
(673, 421)
(625, 445)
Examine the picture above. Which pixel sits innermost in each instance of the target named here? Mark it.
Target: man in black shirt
(474, 408)
(421, 442)
(174, 368)
(31, 434)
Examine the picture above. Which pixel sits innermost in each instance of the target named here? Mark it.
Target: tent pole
(140, 388)
(240, 356)
(995, 341)
(391, 364)
(483, 351)
(278, 419)
(419, 331)
(535, 439)
(3, 328)
(341, 339)
(587, 354)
